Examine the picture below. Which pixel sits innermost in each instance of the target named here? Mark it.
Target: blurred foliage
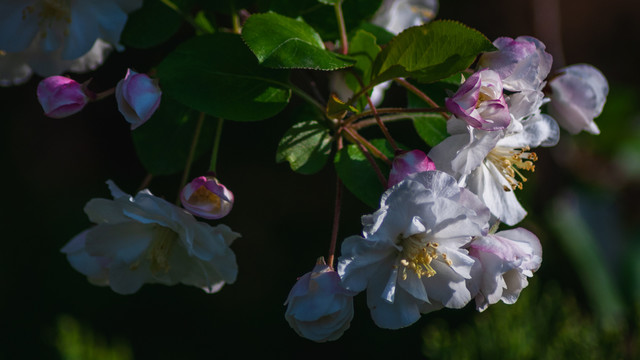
(545, 323)
(76, 341)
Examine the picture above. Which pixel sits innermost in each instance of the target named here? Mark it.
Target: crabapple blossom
(480, 102)
(145, 239)
(49, 37)
(319, 308)
(408, 163)
(490, 163)
(411, 257)
(138, 97)
(522, 64)
(578, 95)
(206, 197)
(504, 261)
(61, 96)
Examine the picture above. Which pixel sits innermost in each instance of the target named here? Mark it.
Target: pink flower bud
(411, 162)
(138, 97)
(61, 96)
(207, 198)
(480, 102)
(577, 97)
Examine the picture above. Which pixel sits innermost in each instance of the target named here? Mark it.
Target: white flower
(397, 15)
(319, 308)
(490, 163)
(145, 239)
(523, 63)
(578, 95)
(503, 263)
(50, 37)
(411, 257)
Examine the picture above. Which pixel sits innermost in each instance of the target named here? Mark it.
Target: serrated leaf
(152, 24)
(358, 175)
(281, 42)
(201, 74)
(164, 141)
(430, 52)
(306, 146)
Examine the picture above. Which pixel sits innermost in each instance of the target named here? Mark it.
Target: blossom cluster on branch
(437, 238)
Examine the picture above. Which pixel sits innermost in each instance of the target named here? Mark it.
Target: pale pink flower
(204, 196)
(61, 96)
(138, 97)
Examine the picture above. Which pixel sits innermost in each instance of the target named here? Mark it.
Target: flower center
(508, 161)
(203, 197)
(160, 247)
(51, 11)
(417, 254)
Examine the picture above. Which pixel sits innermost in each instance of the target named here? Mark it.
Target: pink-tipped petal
(411, 162)
(61, 97)
(207, 198)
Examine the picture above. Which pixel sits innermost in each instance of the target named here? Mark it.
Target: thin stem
(357, 138)
(192, 151)
(388, 118)
(419, 93)
(336, 215)
(235, 19)
(343, 29)
(382, 126)
(145, 182)
(370, 159)
(188, 18)
(216, 146)
(101, 95)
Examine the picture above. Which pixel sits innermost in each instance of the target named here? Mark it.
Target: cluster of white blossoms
(433, 244)
(49, 37)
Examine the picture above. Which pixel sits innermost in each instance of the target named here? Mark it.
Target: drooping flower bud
(577, 97)
(522, 64)
(480, 102)
(411, 162)
(319, 308)
(504, 261)
(138, 97)
(61, 96)
(204, 196)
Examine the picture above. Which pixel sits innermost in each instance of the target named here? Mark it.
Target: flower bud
(522, 64)
(138, 97)
(411, 162)
(61, 96)
(577, 97)
(207, 198)
(480, 102)
(319, 308)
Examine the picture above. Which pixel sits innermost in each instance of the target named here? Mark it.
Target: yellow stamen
(417, 254)
(508, 161)
(205, 197)
(160, 248)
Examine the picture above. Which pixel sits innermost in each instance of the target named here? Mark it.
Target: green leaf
(358, 175)
(430, 52)
(329, 2)
(323, 18)
(163, 142)
(431, 128)
(152, 24)
(218, 75)
(381, 34)
(306, 146)
(281, 42)
(204, 24)
(364, 49)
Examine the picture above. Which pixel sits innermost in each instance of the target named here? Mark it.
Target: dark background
(53, 167)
